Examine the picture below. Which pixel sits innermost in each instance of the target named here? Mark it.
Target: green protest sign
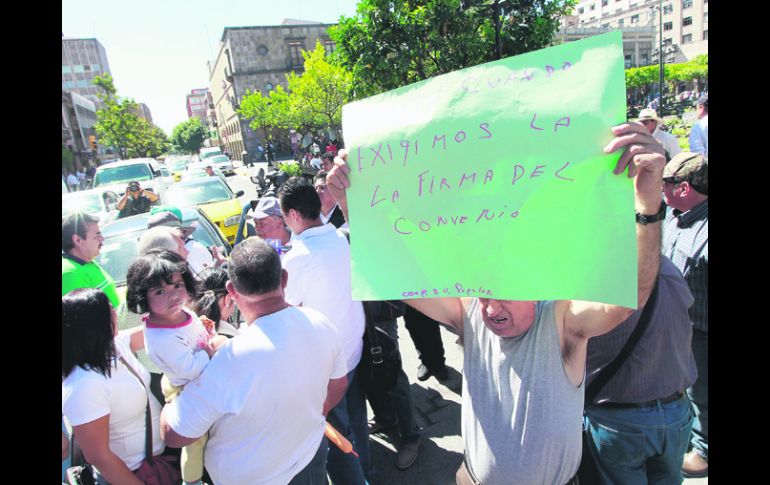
(491, 181)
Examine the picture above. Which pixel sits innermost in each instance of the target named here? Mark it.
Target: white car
(146, 171)
(100, 203)
(222, 163)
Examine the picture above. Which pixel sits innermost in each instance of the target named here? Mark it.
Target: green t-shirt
(89, 275)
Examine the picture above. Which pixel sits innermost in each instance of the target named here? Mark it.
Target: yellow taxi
(214, 197)
(177, 166)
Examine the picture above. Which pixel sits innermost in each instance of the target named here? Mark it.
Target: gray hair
(161, 237)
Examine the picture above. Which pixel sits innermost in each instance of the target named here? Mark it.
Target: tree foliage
(118, 125)
(389, 44)
(313, 100)
(696, 68)
(188, 136)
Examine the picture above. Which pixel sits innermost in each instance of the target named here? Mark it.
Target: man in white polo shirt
(319, 277)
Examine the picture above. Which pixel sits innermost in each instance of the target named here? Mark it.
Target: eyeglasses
(672, 180)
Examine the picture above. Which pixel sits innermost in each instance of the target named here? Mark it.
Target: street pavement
(437, 412)
(437, 404)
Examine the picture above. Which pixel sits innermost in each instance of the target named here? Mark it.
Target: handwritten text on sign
(491, 181)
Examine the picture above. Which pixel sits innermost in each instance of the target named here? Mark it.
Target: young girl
(160, 284)
(213, 302)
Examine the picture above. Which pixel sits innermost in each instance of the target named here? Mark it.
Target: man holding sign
(524, 361)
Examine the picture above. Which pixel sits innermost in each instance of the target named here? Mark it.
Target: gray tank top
(521, 415)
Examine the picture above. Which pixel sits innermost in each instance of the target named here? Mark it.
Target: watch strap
(645, 219)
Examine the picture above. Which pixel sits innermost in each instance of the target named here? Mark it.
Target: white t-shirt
(668, 141)
(178, 350)
(261, 398)
(87, 395)
(315, 162)
(319, 277)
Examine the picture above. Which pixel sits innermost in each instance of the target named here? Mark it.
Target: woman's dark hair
(149, 270)
(210, 290)
(86, 332)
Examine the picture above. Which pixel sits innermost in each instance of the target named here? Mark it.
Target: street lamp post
(661, 111)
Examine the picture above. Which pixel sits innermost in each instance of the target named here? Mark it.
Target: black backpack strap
(606, 374)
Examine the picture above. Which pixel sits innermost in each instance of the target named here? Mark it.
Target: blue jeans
(699, 394)
(315, 471)
(349, 418)
(397, 404)
(640, 445)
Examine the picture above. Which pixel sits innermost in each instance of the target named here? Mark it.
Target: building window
(82, 84)
(705, 35)
(628, 61)
(621, 22)
(295, 51)
(686, 39)
(668, 25)
(686, 21)
(78, 68)
(635, 19)
(66, 69)
(604, 3)
(667, 41)
(645, 59)
(329, 47)
(668, 8)
(593, 7)
(686, 4)
(605, 26)
(705, 16)
(580, 10)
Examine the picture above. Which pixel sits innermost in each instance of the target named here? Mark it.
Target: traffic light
(92, 142)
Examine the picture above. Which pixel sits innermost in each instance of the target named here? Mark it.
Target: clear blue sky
(157, 49)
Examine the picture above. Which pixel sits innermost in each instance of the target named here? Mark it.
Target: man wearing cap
(685, 242)
(649, 118)
(268, 220)
(135, 200)
(199, 257)
(699, 135)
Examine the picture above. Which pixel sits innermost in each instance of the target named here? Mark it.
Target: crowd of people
(244, 369)
(79, 179)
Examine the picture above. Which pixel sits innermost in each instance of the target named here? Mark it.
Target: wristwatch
(644, 219)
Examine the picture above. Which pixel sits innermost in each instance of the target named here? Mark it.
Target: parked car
(214, 197)
(177, 166)
(100, 203)
(198, 170)
(121, 240)
(147, 171)
(222, 163)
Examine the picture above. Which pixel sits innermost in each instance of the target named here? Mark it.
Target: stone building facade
(256, 59)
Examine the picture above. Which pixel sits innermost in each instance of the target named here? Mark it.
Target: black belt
(627, 405)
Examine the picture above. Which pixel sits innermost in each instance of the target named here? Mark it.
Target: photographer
(135, 200)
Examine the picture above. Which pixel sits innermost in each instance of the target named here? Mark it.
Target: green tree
(67, 159)
(388, 44)
(322, 89)
(118, 125)
(188, 136)
(313, 100)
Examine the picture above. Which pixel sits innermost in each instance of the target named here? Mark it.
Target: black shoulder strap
(606, 374)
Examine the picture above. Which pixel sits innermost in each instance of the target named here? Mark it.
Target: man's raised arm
(645, 160)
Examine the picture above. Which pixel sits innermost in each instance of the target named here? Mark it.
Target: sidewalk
(437, 407)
